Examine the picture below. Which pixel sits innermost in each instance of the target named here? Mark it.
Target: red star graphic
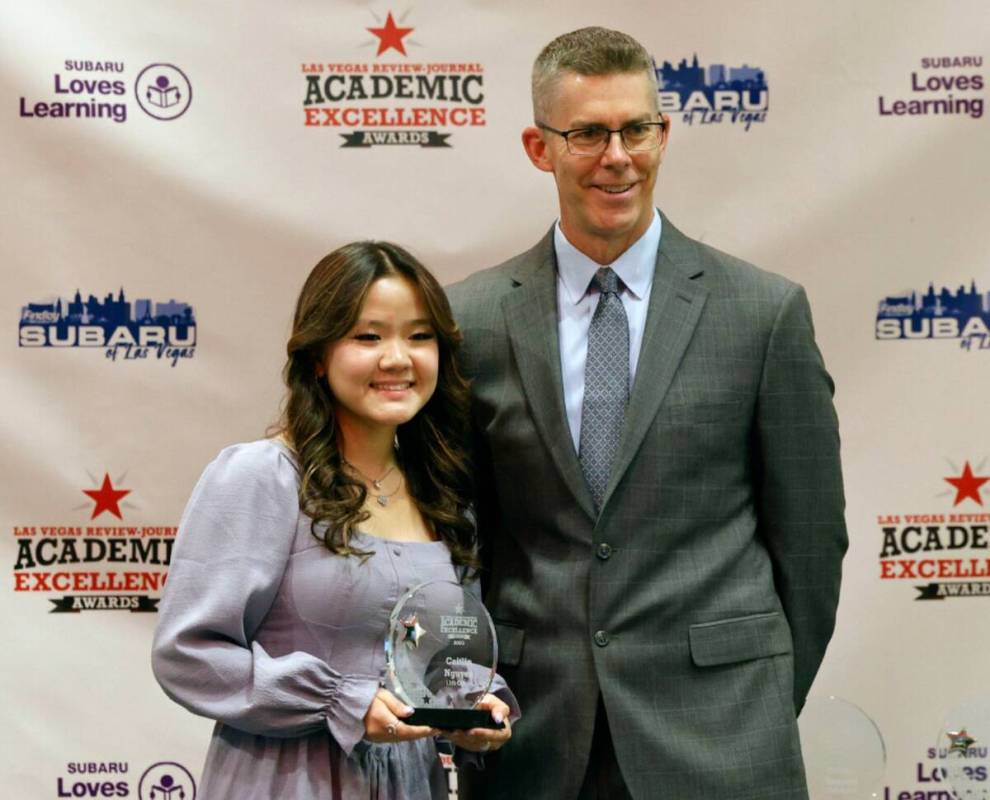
(968, 485)
(390, 36)
(107, 498)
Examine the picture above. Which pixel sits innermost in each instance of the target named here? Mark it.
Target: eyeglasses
(637, 137)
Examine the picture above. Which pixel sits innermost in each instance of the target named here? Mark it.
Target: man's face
(609, 197)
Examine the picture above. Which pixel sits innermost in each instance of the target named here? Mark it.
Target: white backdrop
(225, 208)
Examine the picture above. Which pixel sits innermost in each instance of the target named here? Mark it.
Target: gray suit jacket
(700, 601)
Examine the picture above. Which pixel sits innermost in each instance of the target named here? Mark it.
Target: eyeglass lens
(635, 138)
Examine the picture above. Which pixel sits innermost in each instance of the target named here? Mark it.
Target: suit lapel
(676, 301)
(531, 320)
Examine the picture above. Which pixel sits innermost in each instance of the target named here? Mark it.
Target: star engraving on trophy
(960, 740)
(414, 631)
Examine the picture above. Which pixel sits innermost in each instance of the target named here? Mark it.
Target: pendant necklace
(381, 497)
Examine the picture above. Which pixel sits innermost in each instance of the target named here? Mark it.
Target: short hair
(587, 51)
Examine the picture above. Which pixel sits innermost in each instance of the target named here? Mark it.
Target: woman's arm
(230, 557)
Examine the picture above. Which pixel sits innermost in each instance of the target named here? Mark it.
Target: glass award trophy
(844, 753)
(964, 749)
(441, 652)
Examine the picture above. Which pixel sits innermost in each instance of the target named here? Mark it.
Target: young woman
(293, 550)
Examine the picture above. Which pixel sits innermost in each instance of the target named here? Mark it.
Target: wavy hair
(432, 450)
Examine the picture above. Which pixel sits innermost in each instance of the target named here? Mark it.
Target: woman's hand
(481, 740)
(383, 722)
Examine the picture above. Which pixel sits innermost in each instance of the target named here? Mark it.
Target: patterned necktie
(606, 385)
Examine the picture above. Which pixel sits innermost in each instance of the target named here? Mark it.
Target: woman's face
(385, 369)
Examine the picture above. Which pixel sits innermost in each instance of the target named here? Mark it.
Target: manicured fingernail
(497, 716)
(407, 710)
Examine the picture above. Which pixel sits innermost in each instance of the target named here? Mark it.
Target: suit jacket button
(601, 638)
(604, 551)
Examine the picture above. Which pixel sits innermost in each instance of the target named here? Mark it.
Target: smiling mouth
(396, 386)
(615, 189)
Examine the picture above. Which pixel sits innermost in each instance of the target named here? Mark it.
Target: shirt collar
(634, 267)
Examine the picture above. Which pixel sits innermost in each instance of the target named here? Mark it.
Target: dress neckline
(415, 543)
(283, 445)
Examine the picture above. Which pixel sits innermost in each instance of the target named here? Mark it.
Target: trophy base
(451, 719)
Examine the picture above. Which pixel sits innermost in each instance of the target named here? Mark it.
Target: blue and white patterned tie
(606, 385)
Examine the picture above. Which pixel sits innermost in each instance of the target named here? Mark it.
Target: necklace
(381, 497)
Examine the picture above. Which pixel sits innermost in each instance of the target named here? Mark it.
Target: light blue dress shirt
(576, 302)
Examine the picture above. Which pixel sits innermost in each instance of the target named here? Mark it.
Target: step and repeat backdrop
(172, 171)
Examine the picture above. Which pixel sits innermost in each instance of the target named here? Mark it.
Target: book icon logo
(163, 91)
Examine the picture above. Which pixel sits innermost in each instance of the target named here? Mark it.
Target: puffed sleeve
(231, 553)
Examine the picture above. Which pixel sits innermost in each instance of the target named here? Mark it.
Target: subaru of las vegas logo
(125, 331)
(713, 94)
(961, 313)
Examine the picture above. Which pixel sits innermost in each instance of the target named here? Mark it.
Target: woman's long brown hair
(431, 446)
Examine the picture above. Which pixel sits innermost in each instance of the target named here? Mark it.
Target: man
(658, 465)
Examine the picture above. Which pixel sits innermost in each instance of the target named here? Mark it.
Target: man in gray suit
(660, 495)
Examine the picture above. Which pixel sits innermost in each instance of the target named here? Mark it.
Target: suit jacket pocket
(739, 639)
(510, 643)
(701, 413)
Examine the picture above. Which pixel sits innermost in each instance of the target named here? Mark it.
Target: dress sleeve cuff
(348, 703)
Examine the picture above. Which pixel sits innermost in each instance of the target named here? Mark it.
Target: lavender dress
(281, 641)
